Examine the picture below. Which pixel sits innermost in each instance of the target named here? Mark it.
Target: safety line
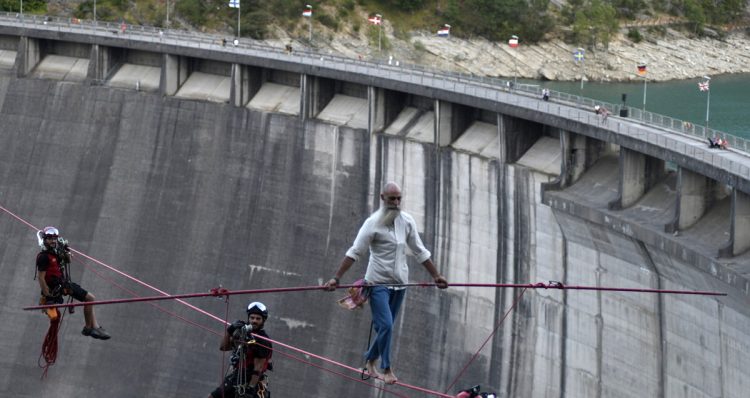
(3, 208)
(219, 292)
(155, 305)
(165, 294)
(301, 351)
(288, 355)
(226, 322)
(224, 292)
(512, 307)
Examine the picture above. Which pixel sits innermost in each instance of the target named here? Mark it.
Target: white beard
(387, 216)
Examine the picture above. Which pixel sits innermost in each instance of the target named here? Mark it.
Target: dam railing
(482, 86)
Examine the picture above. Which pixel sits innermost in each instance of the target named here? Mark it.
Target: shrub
(634, 35)
(328, 21)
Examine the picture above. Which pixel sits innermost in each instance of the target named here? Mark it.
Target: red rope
(358, 371)
(426, 391)
(134, 294)
(224, 292)
(512, 307)
(216, 292)
(49, 347)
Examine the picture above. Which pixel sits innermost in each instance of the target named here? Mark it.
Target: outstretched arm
(440, 280)
(332, 283)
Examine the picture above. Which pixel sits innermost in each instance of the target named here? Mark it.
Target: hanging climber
(251, 356)
(53, 264)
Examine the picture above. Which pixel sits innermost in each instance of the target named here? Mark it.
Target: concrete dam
(191, 192)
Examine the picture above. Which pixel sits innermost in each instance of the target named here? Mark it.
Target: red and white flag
(307, 13)
(513, 42)
(375, 20)
(703, 86)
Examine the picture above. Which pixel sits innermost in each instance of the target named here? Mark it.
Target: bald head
(391, 188)
(391, 196)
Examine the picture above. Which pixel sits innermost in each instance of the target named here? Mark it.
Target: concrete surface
(59, 67)
(346, 111)
(7, 59)
(544, 156)
(145, 78)
(205, 86)
(190, 195)
(476, 138)
(273, 97)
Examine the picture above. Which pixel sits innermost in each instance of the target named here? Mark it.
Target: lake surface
(681, 99)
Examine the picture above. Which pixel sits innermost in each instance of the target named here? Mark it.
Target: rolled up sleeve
(362, 242)
(415, 242)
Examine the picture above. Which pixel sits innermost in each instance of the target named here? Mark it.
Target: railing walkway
(481, 86)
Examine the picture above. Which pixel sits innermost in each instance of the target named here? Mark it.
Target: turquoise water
(729, 102)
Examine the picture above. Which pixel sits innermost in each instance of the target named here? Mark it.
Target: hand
(233, 327)
(441, 282)
(331, 285)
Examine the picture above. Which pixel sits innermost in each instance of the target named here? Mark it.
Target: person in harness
(52, 264)
(251, 356)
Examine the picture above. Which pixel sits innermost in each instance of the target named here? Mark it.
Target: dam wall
(190, 195)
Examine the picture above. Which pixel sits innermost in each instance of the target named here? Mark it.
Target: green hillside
(575, 21)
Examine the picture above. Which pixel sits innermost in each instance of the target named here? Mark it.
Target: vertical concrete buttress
(316, 93)
(638, 173)
(375, 109)
(102, 60)
(740, 231)
(174, 73)
(246, 82)
(239, 89)
(28, 56)
(443, 122)
(692, 196)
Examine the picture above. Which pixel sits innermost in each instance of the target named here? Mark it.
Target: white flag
(234, 3)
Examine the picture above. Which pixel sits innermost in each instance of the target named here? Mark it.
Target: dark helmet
(50, 232)
(256, 307)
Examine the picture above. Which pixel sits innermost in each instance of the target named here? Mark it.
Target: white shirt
(387, 247)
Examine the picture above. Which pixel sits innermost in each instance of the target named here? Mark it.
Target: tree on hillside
(30, 6)
(499, 19)
(592, 22)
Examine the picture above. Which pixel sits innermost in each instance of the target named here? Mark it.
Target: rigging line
(225, 292)
(301, 351)
(225, 322)
(155, 305)
(112, 268)
(321, 367)
(165, 294)
(18, 218)
(512, 307)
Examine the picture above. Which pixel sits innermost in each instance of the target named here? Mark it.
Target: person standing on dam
(386, 234)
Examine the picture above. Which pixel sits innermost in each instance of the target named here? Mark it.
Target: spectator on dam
(52, 264)
(251, 356)
(387, 234)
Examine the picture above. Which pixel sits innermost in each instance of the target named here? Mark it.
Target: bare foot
(390, 377)
(372, 369)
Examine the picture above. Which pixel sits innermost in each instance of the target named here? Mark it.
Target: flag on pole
(307, 13)
(513, 42)
(642, 69)
(578, 55)
(234, 3)
(444, 31)
(703, 86)
(375, 20)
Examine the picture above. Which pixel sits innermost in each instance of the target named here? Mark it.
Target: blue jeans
(384, 304)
